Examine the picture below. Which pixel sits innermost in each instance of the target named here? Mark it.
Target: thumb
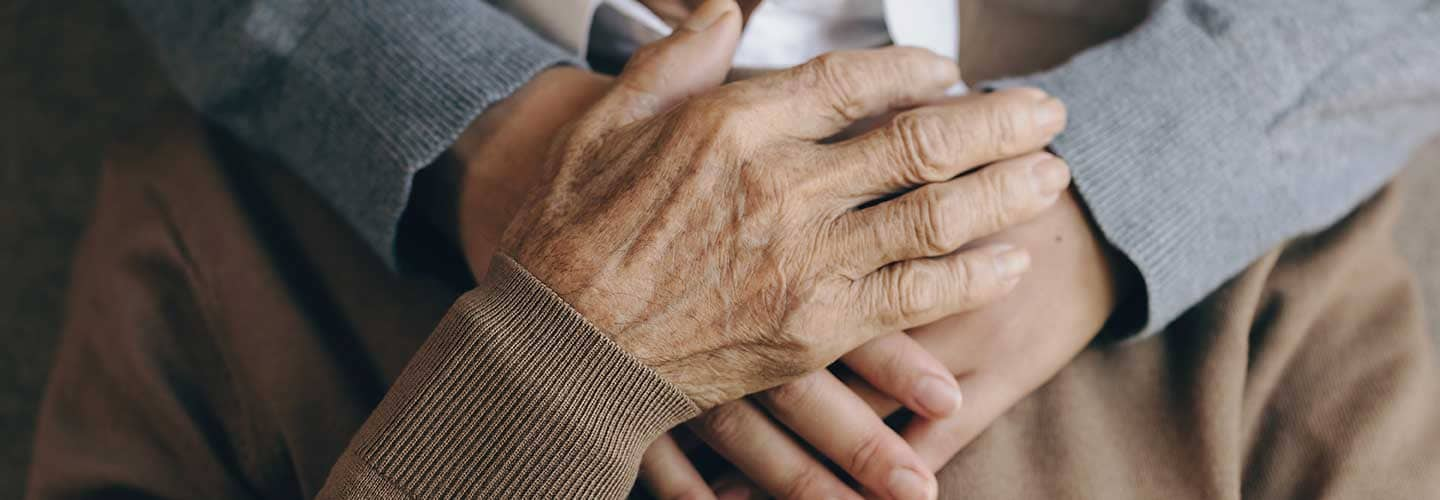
(693, 59)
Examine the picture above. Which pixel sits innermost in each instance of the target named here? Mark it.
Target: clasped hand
(722, 236)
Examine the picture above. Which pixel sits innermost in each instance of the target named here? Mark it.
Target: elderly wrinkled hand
(714, 235)
(725, 238)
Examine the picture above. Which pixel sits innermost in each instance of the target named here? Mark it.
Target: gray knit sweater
(1211, 133)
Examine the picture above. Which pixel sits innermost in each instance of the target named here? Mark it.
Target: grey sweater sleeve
(354, 95)
(1219, 128)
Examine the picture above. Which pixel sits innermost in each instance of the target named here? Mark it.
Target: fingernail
(905, 484)
(937, 396)
(1050, 175)
(708, 13)
(1050, 114)
(1009, 260)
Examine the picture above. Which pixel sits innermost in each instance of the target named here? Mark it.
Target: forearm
(354, 95)
(1214, 132)
(513, 395)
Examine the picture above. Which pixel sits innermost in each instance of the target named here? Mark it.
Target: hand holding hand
(999, 353)
(733, 198)
(710, 233)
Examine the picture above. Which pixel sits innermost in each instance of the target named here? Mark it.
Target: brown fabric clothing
(230, 337)
(1308, 376)
(182, 372)
(514, 395)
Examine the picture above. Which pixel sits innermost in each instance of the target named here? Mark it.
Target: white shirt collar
(932, 24)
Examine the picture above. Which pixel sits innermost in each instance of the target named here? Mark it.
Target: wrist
(1121, 280)
(475, 188)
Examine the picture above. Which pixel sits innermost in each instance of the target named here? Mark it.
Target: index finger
(823, 96)
(765, 453)
(901, 368)
(823, 412)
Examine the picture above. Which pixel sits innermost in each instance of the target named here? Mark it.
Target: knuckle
(883, 308)
(990, 208)
(868, 454)
(807, 482)
(914, 292)
(938, 222)
(922, 140)
(834, 74)
(963, 277)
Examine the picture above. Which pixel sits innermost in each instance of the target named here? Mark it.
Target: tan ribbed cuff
(514, 395)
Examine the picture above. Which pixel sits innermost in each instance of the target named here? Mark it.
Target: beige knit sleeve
(514, 395)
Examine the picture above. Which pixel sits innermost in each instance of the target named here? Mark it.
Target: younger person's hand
(999, 354)
(717, 237)
(1006, 350)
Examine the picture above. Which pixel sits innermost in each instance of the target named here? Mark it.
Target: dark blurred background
(75, 74)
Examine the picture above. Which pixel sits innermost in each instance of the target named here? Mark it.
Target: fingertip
(1010, 261)
(938, 71)
(937, 397)
(1051, 115)
(1050, 177)
(911, 484)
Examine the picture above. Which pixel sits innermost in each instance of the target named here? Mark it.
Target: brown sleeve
(514, 395)
(192, 366)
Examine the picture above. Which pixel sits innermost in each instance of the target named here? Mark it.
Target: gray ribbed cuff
(1159, 134)
(378, 89)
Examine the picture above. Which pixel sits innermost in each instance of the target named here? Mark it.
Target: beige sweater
(514, 395)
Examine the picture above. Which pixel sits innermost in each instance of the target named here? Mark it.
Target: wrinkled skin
(719, 212)
(518, 132)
